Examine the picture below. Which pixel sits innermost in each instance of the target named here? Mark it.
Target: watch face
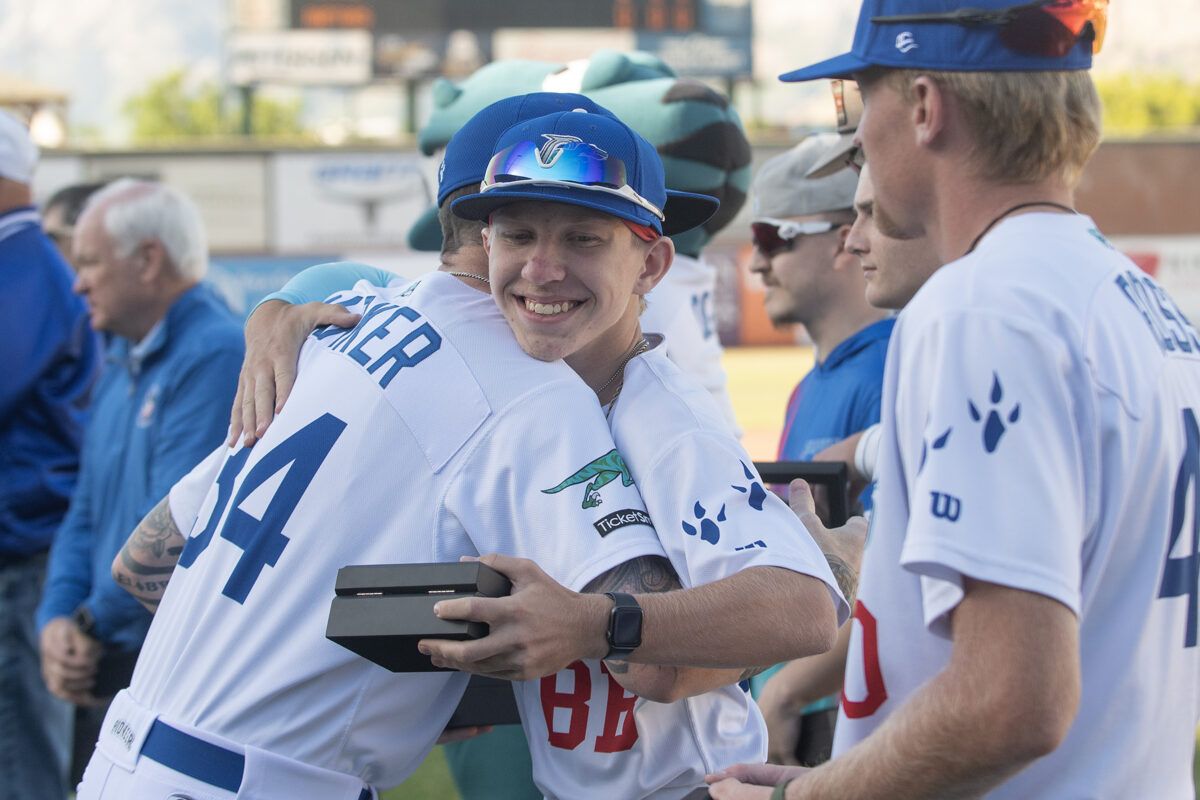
(626, 627)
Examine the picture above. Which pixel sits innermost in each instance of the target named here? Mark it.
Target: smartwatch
(624, 625)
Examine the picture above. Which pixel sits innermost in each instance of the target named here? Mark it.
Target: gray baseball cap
(781, 188)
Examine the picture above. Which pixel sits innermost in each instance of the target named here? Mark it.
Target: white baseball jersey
(1045, 438)
(714, 518)
(421, 435)
(682, 308)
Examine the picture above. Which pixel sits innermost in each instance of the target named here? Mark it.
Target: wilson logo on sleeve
(945, 506)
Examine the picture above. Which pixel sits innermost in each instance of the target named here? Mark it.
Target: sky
(104, 51)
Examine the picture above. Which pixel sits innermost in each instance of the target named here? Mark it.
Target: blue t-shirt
(839, 397)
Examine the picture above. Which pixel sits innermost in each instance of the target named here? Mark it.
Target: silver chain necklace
(471, 275)
(641, 347)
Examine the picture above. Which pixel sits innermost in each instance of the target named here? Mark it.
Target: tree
(1139, 104)
(168, 109)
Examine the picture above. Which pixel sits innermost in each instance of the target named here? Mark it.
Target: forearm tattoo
(845, 575)
(637, 576)
(149, 557)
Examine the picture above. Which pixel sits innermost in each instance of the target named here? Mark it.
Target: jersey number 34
(261, 540)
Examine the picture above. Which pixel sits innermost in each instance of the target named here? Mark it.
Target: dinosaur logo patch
(596, 474)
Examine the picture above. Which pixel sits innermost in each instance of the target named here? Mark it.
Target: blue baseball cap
(589, 160)
(471, 147)
(947, 46)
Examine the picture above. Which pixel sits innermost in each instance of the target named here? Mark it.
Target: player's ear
(486, 234)
(930, 106)
(659, 256)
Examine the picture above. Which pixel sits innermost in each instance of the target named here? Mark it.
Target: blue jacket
(50, 360)
(160, 408)
(839, 397)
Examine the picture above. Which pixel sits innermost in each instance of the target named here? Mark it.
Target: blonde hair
(1026, 126)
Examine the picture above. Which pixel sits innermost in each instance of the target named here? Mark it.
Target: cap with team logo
(587, 160)
(987, 36)
(470, 148)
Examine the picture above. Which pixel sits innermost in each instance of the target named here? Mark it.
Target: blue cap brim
(687, 210)
(480, 206)
(683, 210)
(843, 66)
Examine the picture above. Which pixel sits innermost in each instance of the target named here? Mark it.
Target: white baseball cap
(18, 153)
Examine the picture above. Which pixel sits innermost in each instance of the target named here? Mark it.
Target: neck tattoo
(483, 278)
(1013, 210)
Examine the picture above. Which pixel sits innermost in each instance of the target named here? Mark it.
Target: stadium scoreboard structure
(708, 38)
(393, 16)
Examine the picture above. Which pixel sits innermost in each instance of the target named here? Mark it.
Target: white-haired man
(141, 252)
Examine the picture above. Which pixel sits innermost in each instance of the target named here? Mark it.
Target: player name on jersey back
(388, 338)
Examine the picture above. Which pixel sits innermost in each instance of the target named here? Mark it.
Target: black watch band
(624, 625)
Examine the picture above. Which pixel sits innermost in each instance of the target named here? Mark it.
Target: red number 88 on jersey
(567, 710)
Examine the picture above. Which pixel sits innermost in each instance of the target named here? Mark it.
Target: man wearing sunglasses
(799, 232)
(1026, 624)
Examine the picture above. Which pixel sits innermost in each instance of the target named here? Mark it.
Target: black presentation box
(833, 475)
(381, 611)
(487, 701)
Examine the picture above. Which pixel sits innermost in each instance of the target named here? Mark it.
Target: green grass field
(431, 782)
(760, 381)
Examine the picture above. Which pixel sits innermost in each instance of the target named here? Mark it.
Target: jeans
(35, 726)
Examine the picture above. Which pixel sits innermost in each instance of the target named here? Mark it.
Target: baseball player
(587, 734)
(1026, 624)
(716, 518)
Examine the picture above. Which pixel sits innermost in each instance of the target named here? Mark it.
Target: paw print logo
(709, 531)
(938, 444)
(757, 494)
(994, 427)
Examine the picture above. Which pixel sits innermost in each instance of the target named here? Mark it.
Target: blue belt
(199, 759)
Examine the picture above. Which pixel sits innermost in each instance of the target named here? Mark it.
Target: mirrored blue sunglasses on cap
(562, 160)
